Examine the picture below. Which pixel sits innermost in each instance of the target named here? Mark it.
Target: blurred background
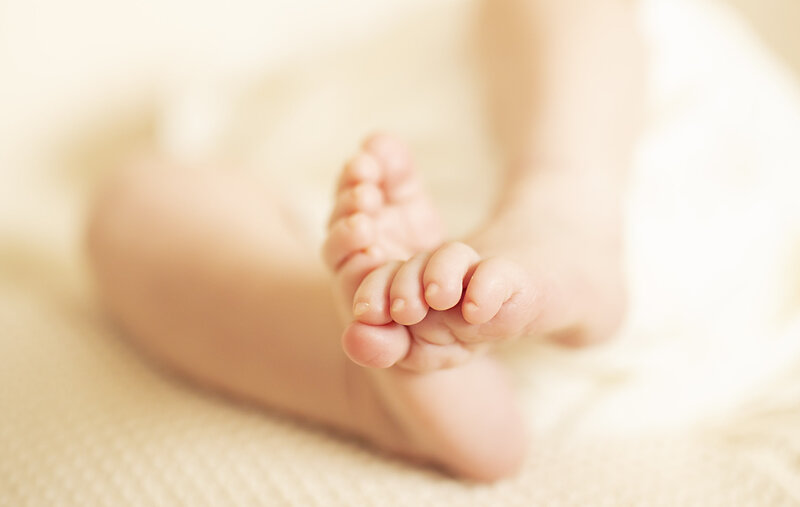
(109, 69)
(776, 23)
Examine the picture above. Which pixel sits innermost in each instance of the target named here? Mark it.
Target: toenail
(471, 307)
(431, 290)
(398, 305)
(360, 309)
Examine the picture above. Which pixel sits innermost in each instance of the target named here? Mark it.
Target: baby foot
(417, 304)
(391, 269)
(381, 214)
(454, 303)
(462, 418)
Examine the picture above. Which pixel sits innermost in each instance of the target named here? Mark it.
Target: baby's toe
(365, 198)
(347, 236)
(408, 304)
(353, 271)
(445, 273)
(391, 153)
(375, 346)
(400, 183)
(493, 283)
(362, 168)
(371, 300)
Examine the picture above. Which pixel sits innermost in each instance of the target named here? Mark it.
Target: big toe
(400, 182)
(392, 153)
(375, 346)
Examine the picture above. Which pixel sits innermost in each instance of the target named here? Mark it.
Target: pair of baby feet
(413, 300)
(420, 311)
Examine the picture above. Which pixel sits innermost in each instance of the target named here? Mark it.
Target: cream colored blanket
(696, 403)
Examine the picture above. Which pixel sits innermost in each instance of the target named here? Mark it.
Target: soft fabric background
(696, 403)
(775, 22)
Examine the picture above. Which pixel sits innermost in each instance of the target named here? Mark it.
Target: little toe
(371, 300)
(375, 346)
(408, 304)
(347, 236)
(445, 274)
(493, 283)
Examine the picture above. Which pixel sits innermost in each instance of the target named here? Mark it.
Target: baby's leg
(202, 271)
(567, 79)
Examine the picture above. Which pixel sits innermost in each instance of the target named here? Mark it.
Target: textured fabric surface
(696, 403)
